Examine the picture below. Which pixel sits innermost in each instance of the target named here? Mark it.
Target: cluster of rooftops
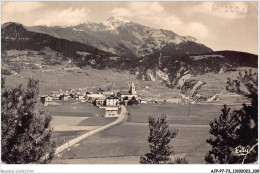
(108, 100)
(101, 98)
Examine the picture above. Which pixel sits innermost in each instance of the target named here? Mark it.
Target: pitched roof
(125, 93)
(112, 97)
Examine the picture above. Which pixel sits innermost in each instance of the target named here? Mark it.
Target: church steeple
(132, 89)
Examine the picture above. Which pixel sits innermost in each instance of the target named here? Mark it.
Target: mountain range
(124, 38)
(151, 54)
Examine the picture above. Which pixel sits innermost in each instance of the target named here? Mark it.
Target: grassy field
(66, 120)
(74, 109)
(74, 119)
(62, 137)
(130, 138)
(96, 121)
(176, 113)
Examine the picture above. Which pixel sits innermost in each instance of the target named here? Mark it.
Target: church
(129, 94)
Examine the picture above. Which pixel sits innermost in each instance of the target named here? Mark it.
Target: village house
(48, 98)
(78, 92)
(100, 102)
(143, 101)
(150, 100)
(76, 97)
(55, 98)
(112, 101)
(66, 92)
(79, 97)
(94, 96)
(108, 93)
(66, 97)
(159, 101)
(173, 100)
(55, 95)
(45, 98)
(111, 112)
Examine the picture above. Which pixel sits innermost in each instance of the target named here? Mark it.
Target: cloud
(175, 24)
(20, 7)
(121, 12)
(140, 9)
(197, 30)
(66, 17)
(226, 10)
(145, 8)
(169, 22)
(154, 13)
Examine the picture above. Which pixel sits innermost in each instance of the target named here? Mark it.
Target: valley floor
(125, 143)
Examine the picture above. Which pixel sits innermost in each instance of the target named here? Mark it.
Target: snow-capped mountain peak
(128, 39)
(113, 22)
(192, 39)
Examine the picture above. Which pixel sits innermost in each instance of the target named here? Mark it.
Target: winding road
(76, 140)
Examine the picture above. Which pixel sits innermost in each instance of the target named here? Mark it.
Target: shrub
(6, 71)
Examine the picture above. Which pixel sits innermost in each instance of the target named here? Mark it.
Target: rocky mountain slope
(125, 38)
(179, 63)
(17, 36)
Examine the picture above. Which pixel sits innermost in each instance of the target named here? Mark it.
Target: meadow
(72, 119)
(129, 139)
(62, 137)
(73, 109)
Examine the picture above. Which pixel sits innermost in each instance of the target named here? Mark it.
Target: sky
(218, 25)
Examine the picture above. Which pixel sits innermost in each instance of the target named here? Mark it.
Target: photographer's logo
(241, 151)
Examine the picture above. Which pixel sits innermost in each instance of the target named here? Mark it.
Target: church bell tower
(132, 89)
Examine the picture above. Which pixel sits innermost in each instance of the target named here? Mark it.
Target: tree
(159, 139)
(118, 94)
(180, 161)
(26, 132)
(133, 101)
(237, 129)
(94, 102)
(61, 97)
(2, 82)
